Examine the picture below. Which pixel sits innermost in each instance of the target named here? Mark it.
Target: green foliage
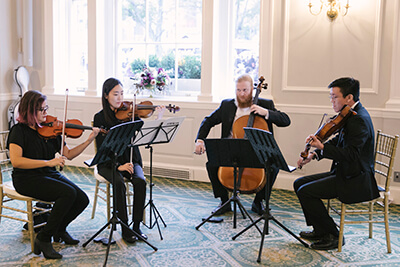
(190, 68)
(137, 65)
(168, 64)
(154, 62)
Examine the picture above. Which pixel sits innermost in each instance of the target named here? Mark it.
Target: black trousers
(69, 200)
(311, 190)
(220, 191)
(139, 190)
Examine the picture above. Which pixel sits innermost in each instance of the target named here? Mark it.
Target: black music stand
(269, 153)
(113, 146)
(236, 153)
(156, 132)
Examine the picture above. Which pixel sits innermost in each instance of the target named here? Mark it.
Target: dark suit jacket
(225, 114)
(352, 152)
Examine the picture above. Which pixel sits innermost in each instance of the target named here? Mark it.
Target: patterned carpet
(182, 204)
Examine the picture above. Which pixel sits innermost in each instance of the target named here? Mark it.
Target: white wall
(301, 54)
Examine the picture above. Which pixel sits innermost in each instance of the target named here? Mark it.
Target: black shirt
(33, 147)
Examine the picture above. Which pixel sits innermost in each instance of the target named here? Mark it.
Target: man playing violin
(351, 178)
(226, 114)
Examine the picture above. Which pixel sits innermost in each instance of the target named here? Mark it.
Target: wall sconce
(334, 8)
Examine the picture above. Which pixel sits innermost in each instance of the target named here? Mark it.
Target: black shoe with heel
(66, 237)
(258, 207)
(144, 236)
(46, 248)
(129, 238)
(136, 229)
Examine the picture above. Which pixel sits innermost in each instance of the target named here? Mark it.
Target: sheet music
(158, 131)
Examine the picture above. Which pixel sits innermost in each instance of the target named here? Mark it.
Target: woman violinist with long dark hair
(34, 173)
(129, 165)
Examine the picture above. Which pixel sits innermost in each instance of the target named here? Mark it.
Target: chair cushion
(9, 189)
(98, 177)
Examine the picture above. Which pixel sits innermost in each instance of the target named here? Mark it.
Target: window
(131, 34)
(71, 46)
(160, 34)
(236, 44)
(246, 37)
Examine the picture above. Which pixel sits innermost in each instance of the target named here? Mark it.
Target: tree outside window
(160, 34)
(246, 41)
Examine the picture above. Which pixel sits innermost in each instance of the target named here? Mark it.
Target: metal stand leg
(267, 217)
(153, 209)
(236, 200)
(114, 221)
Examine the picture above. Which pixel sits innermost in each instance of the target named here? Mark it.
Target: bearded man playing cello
(226, 114)
(351, 177)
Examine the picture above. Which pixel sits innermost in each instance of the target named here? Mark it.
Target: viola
(331, 127)
(252, 179)
(52, 127)
(142, 110)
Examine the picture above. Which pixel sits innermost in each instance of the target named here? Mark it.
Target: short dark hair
(108, 85)
(347, 86)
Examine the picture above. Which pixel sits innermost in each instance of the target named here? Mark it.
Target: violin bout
(331, 127)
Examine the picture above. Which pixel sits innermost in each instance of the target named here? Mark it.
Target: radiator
(177, 173)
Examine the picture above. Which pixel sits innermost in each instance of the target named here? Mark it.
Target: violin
(52, 127)
(142, 110)
(332, 126)
(252, 179)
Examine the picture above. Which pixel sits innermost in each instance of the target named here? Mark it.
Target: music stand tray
(236, 153)
(156, 132)
(113, 146)
(269, 153)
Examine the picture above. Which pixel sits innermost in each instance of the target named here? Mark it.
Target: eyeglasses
(44, 109)
(333, 97)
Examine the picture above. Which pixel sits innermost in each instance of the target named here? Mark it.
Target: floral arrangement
(162, 80)
(151, 79)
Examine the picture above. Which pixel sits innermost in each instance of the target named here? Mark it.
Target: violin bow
(322, 120)
(133, 118)
(63, 128)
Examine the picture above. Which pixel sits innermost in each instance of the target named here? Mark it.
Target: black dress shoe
(144, 236)
(258, 207)
(310, 235)
(66, 237)
(224, 210)
(328, 242)
(46, 248)
(129, 238)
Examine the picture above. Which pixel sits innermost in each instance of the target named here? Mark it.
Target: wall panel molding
(375, 71)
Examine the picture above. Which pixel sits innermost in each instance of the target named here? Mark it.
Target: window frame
(215, 82)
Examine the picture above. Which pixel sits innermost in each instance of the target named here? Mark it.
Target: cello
(21, 77)
(252, 179)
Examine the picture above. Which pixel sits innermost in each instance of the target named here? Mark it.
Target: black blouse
(33, 147)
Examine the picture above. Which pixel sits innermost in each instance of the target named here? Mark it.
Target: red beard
(245, 103)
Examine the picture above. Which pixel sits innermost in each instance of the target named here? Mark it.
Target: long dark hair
(109, 114)
(30, 103)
